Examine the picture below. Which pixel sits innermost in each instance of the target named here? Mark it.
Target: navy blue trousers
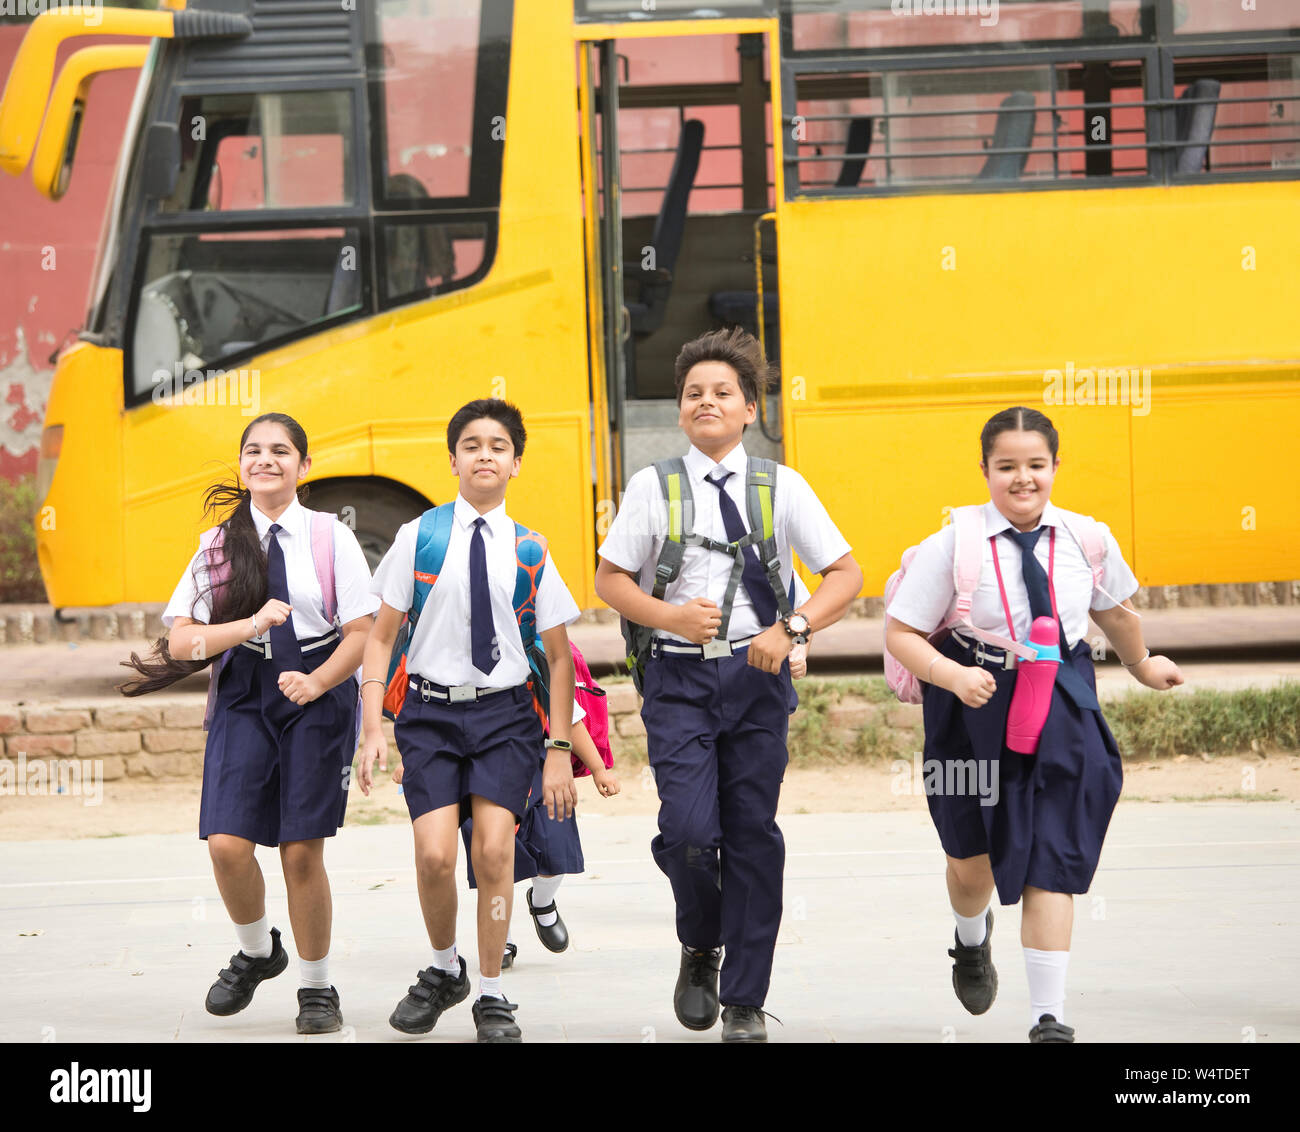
(274, 770)
(716, 732)
(1053, 808)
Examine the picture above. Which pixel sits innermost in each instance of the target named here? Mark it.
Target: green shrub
(20, 578)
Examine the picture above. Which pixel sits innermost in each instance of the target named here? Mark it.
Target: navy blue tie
(1040, 605)
(286, 656)
(482, 634)
(754, 578)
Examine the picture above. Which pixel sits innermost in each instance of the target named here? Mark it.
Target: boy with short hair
(468, 732)
(716, 711)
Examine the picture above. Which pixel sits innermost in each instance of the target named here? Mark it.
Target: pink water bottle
(1032, 698)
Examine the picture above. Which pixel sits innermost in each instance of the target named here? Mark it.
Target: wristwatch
(559, 744)
(796, 624)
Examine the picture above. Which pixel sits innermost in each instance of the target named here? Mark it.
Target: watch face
(798, 623)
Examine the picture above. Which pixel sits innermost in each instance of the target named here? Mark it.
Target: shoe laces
(753, 1013)
(702, 966)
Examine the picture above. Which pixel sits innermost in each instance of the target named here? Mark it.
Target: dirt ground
(135, 806)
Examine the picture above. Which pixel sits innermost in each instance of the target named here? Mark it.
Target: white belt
(265, 649)
(986, 656)
(456, 694)
(712, 651)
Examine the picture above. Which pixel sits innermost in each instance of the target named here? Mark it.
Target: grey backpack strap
(760, 502)
(676, 486)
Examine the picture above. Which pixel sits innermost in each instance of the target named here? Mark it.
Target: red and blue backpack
(430, 552)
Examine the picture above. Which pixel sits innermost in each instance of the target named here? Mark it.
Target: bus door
(679, 180)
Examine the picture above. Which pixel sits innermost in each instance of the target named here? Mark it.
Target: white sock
(445, 959)
(544, 890)
(314, 972)
(510, 934)
(255, 939)
(1046, 973)
(490, 988)
(971, 929)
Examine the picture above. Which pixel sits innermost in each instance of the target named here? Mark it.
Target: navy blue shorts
(486, 747)
(1050, 811)
(543, 847)
(273, 770)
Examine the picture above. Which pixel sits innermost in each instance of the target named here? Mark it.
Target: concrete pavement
(1191, 933)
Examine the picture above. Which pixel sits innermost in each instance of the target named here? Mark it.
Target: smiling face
(484, 461)
(1020, 470)
(713, 413)
(270, 466)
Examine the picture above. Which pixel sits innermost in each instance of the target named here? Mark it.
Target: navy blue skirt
(1040, 818)
(273, 770)
(543, 847)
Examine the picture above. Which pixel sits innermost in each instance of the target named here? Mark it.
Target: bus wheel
(374, 509)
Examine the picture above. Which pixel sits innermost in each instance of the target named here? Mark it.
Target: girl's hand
(274, 612)
(799, 661)
(372, 747)
(300, 687)
(397, 774)
(558, 790)
(606, 782)
(974, 686)
(1158, 672)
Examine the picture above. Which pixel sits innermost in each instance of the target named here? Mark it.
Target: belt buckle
(980, 655)
(461, 693)
(426, 691)
(716, 649)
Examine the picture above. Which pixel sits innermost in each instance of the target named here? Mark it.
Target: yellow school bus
(365, 215)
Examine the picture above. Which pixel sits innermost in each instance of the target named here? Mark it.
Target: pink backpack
(591, 698)
(967, 559)
(322, 553)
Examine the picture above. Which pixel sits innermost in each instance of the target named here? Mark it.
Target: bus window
(255, 151)
(214, 296)
(430, 258)
(877, 24)
(1194, 17)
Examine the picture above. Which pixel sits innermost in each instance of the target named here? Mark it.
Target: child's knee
(300, 861)
(435, 861)
(494, 858)
(971, 872)
(229, 854)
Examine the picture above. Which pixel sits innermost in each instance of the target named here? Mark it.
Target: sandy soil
(134, 806)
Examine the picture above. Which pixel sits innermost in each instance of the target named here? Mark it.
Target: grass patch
(1235, 796)
(815, 741)
(1206, 722)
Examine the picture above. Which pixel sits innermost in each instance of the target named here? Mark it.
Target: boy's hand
(373, 747)
(799, 661)
(973, 686)
(1158, 672)
(606, 782)
(697, 620)
(769, 649)
(558, 790)
(300, 687)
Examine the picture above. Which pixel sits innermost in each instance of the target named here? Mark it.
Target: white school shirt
(441, 649)
(926, 597)
(351, 577)
(800, 522)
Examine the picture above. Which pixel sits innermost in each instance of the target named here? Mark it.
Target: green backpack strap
(676, 486)
(760, 502)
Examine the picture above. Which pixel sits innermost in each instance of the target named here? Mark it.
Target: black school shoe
(318, 1011)
(695, 999)
(235, 985)
(1050, 1030)
(743, 1024)
(974, 977)
(556, 937)
(434, 992)
(495, 1021)
(508, 959)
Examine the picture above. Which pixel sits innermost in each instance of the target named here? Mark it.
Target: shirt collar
(290, 521)
(701, 466)
(496, 520)
(995, 522)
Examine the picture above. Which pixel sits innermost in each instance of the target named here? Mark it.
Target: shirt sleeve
(579, 714)
(351, 576)
(555, 605)
(640, 521)
(1116, 577)
(394, 580)
(811, 532)
(186, 600)
(926, 591)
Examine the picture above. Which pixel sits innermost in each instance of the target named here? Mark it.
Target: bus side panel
(79, 523)
(1218, 499)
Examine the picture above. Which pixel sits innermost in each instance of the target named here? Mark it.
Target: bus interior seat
(738, 308)
(1195, 123)
(415, 253)
(1015, 130)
